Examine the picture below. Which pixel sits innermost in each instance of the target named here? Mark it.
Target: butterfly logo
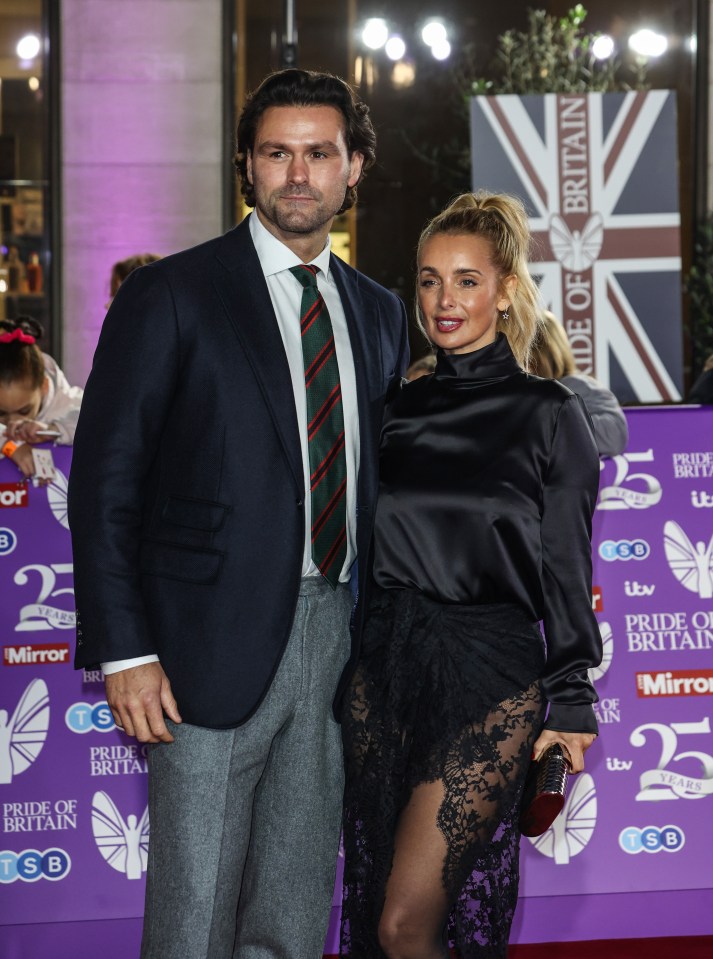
(576, 250)
(692, 566)
(596, 672)
(57, 498)
(573, 828)
(124, 845)
(23, 735)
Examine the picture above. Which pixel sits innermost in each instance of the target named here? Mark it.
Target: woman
(488, 482)
(552, 357)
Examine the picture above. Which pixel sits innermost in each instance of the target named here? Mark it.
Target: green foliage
(699, 286)
(553, 55)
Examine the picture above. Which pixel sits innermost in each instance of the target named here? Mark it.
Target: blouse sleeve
(571, 630)
(63, 409)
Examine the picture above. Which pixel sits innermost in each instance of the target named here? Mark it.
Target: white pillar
(142, 144)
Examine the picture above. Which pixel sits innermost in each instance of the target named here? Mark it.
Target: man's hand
(575, 745)
(138, 698)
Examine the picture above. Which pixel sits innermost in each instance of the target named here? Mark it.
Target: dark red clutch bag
(544, 793)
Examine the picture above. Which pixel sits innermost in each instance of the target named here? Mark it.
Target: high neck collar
(490, 364)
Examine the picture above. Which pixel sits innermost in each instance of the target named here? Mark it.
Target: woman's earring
(505, 315)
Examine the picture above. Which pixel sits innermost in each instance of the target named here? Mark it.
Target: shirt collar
(275, 257)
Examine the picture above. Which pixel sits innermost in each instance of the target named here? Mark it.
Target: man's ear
(356, 164)
(249, 167)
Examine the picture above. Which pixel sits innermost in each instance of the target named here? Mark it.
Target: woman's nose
(446, 297)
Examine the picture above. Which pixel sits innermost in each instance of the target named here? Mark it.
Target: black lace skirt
(448, 693)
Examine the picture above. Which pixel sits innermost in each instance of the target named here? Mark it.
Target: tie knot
(306, 274)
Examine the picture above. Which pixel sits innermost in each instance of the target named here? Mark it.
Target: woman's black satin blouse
(489, 478)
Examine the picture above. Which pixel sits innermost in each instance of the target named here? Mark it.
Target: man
(228, 380)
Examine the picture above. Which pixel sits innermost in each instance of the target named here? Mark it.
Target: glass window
(25, 162)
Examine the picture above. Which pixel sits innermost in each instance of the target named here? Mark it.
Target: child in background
(122, 268)
(37, 404)
(553, 359)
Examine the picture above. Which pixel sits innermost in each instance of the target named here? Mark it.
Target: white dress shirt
(286, 295)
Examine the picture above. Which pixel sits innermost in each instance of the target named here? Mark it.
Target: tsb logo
(8, 541)
(13, 495)
(651, 839)
(88, 718)
(31, 865)
(624, 549)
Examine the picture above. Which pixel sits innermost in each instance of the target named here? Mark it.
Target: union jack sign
(599, 178)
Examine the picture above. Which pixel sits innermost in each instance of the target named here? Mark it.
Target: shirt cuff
(118, 664)
(574, 718)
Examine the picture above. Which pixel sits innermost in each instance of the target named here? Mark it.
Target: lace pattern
(446, 694)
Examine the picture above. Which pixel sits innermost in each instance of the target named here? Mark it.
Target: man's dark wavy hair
(305, 88)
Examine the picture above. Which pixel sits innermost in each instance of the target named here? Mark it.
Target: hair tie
(17, 334)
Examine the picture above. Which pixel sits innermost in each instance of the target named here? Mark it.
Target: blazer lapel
(242, 288)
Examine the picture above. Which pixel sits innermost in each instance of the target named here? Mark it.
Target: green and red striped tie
(325, 429)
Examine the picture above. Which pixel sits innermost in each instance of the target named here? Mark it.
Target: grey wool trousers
(245, 822)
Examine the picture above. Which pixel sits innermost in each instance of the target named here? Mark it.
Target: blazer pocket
(184, 563)
(195, 513)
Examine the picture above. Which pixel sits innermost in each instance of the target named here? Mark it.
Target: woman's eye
(466, 281)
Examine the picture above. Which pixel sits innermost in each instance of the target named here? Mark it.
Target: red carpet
(691, 947)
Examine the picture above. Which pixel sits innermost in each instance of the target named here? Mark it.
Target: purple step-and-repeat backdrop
(74, 827)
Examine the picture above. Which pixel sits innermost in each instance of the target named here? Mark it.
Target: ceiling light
(28, 47)
(395, 48)
(603, 47)
(375, 33)
(648, 44)
(433, 33)
(441, 50)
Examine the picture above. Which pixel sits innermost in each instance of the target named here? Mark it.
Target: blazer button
(299, 502)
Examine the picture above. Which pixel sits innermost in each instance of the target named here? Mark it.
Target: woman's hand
(28, 431)
(575, 745)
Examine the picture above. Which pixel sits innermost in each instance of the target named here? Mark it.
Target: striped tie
(325, 430)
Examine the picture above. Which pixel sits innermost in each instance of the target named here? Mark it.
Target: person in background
(122, 268)
(37, 404)
(488, 480)
(421, 367)
(702, 389)
(553, 359)
(221, 504)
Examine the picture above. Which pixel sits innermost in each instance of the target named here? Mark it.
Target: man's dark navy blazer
(186, 495)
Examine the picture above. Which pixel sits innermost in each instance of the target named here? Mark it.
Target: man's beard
(294, 220)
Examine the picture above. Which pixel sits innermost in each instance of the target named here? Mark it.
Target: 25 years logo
(646, 489)
(661, 783)
(43, 614)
